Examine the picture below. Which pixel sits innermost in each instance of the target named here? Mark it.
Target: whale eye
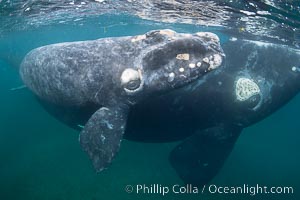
(133, 85)
(131, 79)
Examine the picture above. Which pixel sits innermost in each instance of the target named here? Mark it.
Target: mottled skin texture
(206, 114)
(112, 74)
(78, 73)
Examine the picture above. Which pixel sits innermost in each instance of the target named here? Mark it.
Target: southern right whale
(113, 74)
(258, 78)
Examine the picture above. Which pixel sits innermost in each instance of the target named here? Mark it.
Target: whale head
(171, 61)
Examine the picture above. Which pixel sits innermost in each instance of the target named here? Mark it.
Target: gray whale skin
(110, 75)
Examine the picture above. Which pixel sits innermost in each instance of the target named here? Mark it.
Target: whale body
(110, 75)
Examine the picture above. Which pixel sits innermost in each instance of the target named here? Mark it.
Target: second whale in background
(208, 115)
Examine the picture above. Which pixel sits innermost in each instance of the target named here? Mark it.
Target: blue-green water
(42, 159)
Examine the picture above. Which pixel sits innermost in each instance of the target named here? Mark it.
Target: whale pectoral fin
(200, 157)
(101, 136)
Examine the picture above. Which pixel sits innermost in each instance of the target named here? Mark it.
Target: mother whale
(112, 74)
(257, 79)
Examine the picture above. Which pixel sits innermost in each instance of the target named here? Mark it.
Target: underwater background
(40, 158)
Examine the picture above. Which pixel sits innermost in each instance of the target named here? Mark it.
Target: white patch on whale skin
(102, 138)
(108, 125)
(138, 38)
(181, 69)
(192, 65)
(215, 61)
(167, 32)
(130, 74)
(205, 60)
(183, 56)
(171, 77)
(295, 69)
(209, 35)
(245, 88)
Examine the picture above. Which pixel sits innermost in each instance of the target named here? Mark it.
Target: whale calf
(111, 75)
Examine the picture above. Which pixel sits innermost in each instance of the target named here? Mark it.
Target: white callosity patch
(183, 56)
(192, 65)
(206, 60)
(295, 69)
(138, 38)
(132, 80)
(209, 35)
(167, 32)
(215, 62)
(171, 77)
(129, 75)
(246, 88)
